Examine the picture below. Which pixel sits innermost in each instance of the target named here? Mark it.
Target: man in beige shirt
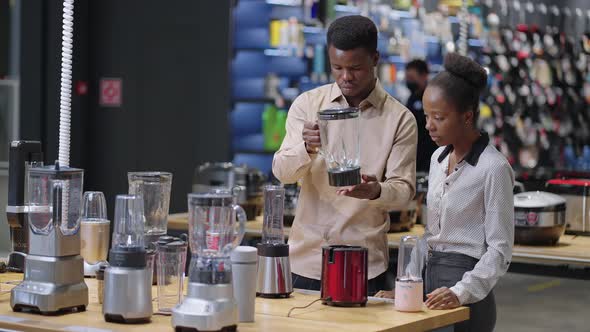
(355, 215)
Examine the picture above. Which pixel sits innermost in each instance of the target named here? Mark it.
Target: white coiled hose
(65, 108)
(463, 28)
(65, 96)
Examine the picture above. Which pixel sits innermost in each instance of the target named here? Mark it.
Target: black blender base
(231, 328)
(36, 310)
(16, 262)
(345, 304)
(274, 296)
(121, 320)
(345, 178)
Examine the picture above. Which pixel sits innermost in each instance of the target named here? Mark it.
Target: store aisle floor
(529, 303)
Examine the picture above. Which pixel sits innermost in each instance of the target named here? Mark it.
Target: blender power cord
(307, 306)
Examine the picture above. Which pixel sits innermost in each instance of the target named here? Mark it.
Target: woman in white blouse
(470, 230)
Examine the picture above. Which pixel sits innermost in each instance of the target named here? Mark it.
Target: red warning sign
(111, 90)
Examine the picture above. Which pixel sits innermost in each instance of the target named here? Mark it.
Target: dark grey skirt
(445, 270)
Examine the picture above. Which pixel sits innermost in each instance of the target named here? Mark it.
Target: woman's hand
(386, 294)
(442, 298)
(369, 188)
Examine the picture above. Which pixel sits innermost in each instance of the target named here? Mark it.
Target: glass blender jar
(274, 268)
(340, 135)
(54, 196)
(213, 234)
(94, 232)
(409, 288)
(154, 187)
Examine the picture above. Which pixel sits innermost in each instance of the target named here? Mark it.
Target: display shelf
(287, 3)
(347, 10)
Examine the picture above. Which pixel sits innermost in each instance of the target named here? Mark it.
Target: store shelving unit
(254, 59)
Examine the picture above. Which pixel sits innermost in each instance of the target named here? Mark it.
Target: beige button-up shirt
(388, 137)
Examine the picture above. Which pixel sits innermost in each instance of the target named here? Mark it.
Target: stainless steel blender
(213, 234)
(54, 278)
(128, 279)
(94, 232)
(274, 268)
(22, 155)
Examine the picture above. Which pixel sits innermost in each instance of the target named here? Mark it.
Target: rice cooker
(576, 193)
(539, 218)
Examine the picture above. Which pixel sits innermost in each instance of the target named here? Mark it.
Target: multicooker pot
(539, 218)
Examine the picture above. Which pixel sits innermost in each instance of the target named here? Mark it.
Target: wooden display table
(571, 249)
(271, 315)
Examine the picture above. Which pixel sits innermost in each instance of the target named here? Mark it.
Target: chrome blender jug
(408, 283)
(213, 234)
(274, 268)
(340, 135)
(54, 196)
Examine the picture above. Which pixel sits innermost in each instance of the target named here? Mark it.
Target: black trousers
(445, 270)
(376, 284)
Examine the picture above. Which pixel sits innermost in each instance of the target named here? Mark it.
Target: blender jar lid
(211, 199)
(175, 246)
(164, 239)
(56, 169)
(339, 113)
(215, 166)
(151, 175)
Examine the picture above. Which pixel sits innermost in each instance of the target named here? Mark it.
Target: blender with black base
(22, 155)
(340, 135)
(274, 268)
(54, 276)
(213, 233)
(128, 279)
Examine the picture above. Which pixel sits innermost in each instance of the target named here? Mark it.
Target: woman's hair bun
(466, 69)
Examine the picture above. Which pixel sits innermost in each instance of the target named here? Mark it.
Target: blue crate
(433, 50)
(382, 43)
(258, 13)
(253, 63)
(248, 88)
(251, 38)
(253, 142)
(246, 119)
(253, 13)
(253, 87)
(262, 161)
(314, 35)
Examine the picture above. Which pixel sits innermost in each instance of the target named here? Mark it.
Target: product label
(526, 218)
(212, 240)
